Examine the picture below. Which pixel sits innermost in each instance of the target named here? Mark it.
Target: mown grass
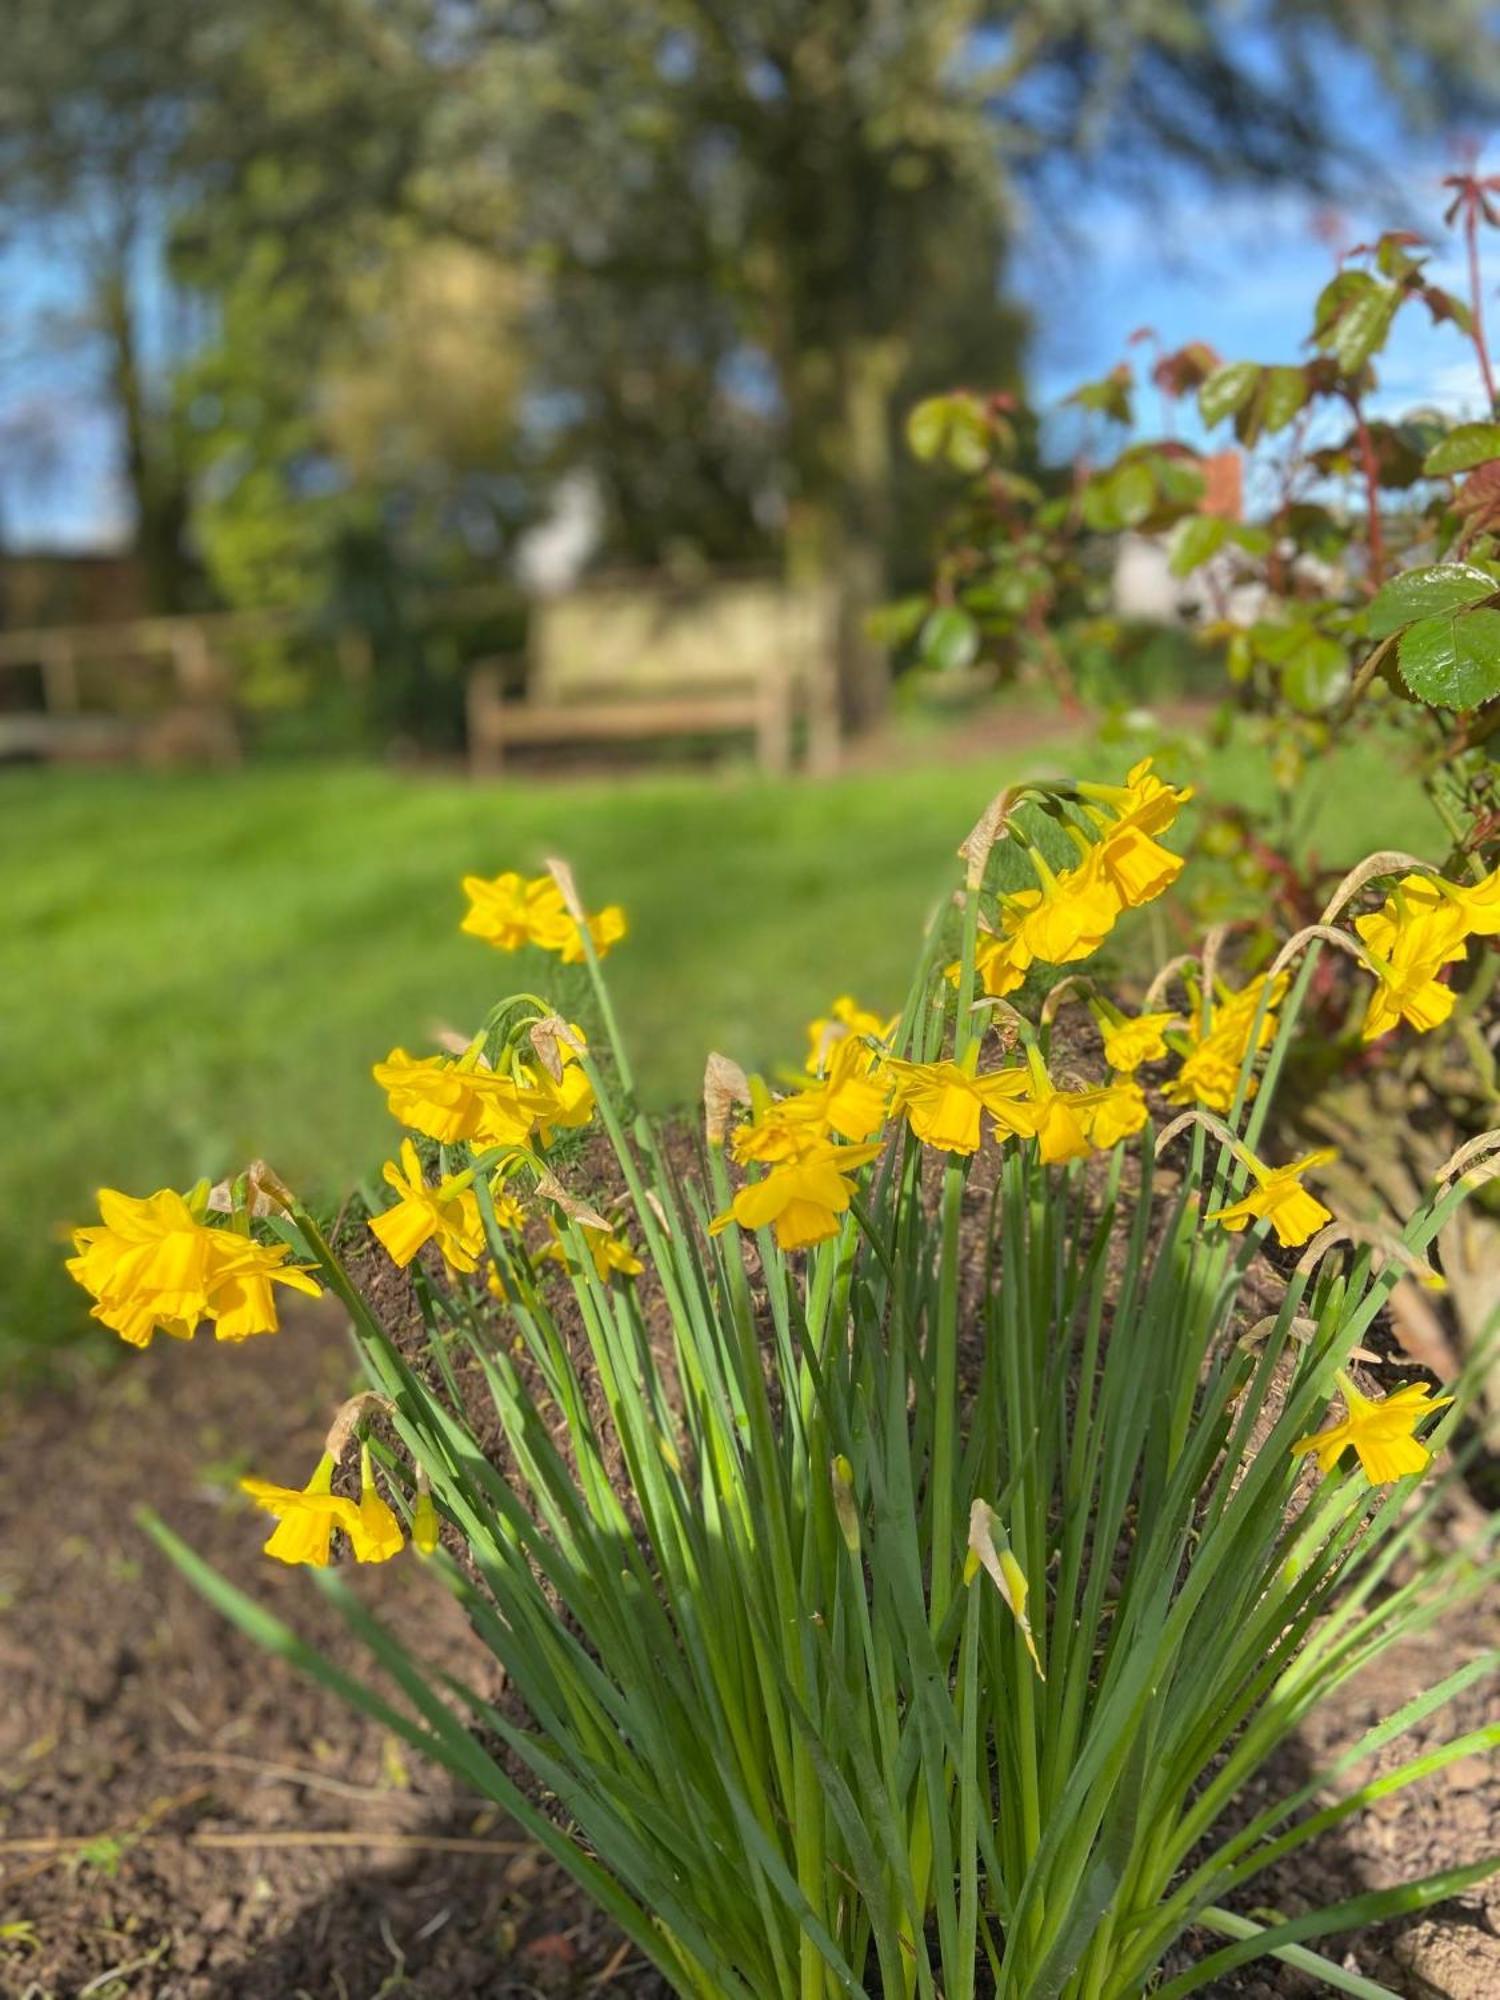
(200, 968)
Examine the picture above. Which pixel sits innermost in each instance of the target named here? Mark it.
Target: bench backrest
(651, 637)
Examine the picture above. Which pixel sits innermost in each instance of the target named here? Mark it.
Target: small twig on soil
(293, 1774)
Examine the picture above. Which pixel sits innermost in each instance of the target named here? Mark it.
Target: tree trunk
(839, 531)
(868, 372)
(155, 484)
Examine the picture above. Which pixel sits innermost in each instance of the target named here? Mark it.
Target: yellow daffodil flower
(307, 1516)
(1144, 801)
(566, 1101)
(453, 1101)
(801, 1200)
(1133, 865)
(375, 1533)
(426, 1528)
(510, 912)
(1210, 1070)
(1380, 1429)
(944, 1102)
(844, 1019)
(1130, 1040)
(154, 1266)
(850, 1099)
(1472, 908)
(1410, 939)
(509, 1214)
(1001, 960)
(1070, 1124)
(1069, 916)
(447, 1215)
(1280, 1199)
(607, 1252)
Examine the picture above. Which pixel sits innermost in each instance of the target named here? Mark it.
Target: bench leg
(773, 732)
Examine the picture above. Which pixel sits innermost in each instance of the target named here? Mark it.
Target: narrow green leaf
(1375, 1908)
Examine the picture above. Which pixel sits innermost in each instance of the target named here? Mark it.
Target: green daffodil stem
(608, 1016)
(945, 1405)
(945, 1349)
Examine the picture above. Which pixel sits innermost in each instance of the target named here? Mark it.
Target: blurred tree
(732, 230)
(97, 106)
(786, 197)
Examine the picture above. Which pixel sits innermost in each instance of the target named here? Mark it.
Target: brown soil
(184, 1818)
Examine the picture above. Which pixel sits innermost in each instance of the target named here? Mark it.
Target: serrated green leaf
(1198, 540)
(1465, 446)
(1453, 660)
(950, 640)
(1227, 390)
(1422, 593)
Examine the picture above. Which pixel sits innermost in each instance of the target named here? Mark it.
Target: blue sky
(1241, 270)
(1238, 270)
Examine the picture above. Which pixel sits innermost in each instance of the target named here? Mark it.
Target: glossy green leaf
(1465, 446)
(1227, 390)
(1133, 493)
(1316, 674)
(1422, 593)
(1283, 393)
(1354, 317)
(952, 428)
(1453, 660)
(894, 623)
(1197, 541)
(950, 640)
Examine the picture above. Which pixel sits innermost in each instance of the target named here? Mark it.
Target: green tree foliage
(749, 234)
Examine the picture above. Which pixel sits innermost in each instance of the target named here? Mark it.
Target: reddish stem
(1372, 494)
(1476, 295)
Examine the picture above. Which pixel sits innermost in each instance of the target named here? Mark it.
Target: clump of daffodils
(857, 1667)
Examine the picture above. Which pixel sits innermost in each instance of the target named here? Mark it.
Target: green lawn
(200, 968)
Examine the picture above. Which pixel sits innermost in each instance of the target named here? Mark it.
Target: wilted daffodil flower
(944, 1102)
(510, 912)
(1380, 1428)
(802, 1199)
(447, 1215)
(156, 1266)
(1280, 1199)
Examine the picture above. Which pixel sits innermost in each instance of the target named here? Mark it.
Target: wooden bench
(637, 660)
(154, 688)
